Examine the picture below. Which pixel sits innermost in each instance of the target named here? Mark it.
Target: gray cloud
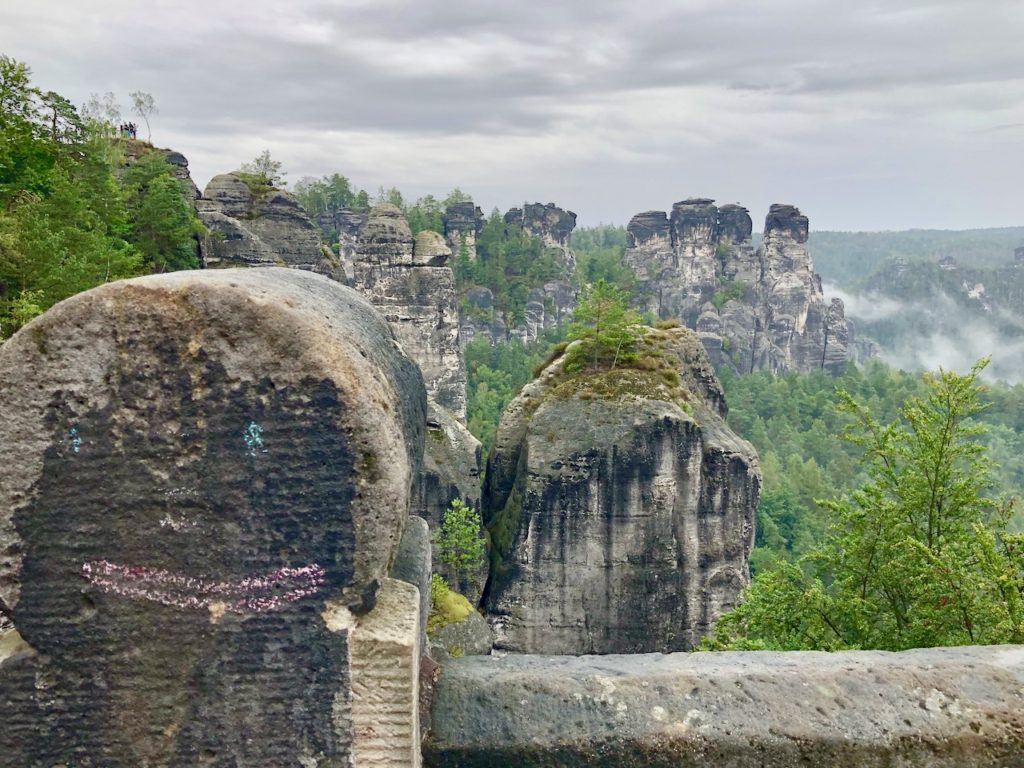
(868, 115)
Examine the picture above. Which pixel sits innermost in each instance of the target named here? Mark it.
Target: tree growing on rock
(607, 330)
(265, 170)
(918, 556)
(460, 543)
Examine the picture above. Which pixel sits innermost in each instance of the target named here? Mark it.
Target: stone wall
(937, 708)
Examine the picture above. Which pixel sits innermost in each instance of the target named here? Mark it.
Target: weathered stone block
(936, 708)
(194, 465)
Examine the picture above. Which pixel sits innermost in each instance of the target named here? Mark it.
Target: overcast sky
(867, 115)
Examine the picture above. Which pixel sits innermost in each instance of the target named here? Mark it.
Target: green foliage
(428, 212)
(63, 220)
(446, 605)
(729, 290)
(599, 256)
(607, 331)
(918, 555)
(164, 223)
(460, 541)
(329, 194)
(263, 171)
(495, 374)
(73, 213)
(510, 261)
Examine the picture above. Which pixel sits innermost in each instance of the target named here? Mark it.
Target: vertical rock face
(621, 506)
(462, 224)
(344, 225)
(206, 476)
(451, 466)
(411, 283)
(267, 227)
(753, 310)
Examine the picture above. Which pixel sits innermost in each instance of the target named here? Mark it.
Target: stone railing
(937, 707)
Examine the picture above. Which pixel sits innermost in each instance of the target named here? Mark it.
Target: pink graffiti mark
(255, 594)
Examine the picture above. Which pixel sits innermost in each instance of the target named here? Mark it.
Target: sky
(867, 115)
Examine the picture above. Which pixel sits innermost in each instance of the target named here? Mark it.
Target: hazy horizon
(868, 117)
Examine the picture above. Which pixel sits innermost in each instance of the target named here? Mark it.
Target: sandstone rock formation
(206, 476)
(451, 470)
(936, 708)
(551, 224)
(753, 310)
(462, 225)
(621, 505)
(548, 304)
(414, 288)
(257, 227)
(469, 637)
(134, 150)
(343, 226)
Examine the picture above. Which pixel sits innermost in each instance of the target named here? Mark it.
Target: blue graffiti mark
(75, 439)
(253, 437)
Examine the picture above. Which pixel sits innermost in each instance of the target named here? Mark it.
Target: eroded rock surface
(754, 310)
(621, 505)
(412, 285)
(206, 475)
(257, 227)
(451, 470)
(553, 225)
(462, 225)
(936, 708)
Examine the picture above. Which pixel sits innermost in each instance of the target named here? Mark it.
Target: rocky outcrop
(753, 310)
(411, 283)
(552, 225)
(343, 226)
(206, 477)
(462, 224)
(134, 150)
(937, 708)
(254, 226)
(548, 304)
(621, 507)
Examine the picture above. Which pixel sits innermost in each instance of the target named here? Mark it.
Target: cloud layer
(868, 115)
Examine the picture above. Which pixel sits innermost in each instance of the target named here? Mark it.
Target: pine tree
(606, 329)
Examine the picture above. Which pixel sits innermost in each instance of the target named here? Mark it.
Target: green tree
(63, 221)
(460, 542)
(917, 556)
(607, 331)
(265, 170)
(163, 220)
